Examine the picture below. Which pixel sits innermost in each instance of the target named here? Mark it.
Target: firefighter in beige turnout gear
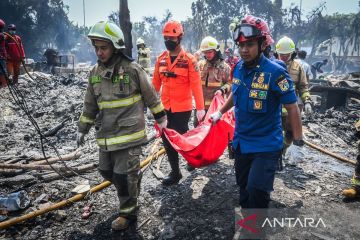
(285, 47)
(354, 191)
(143, 55)
(214, 71)
(117, 90)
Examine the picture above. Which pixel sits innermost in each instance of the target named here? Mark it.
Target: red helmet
(173, 29)
(12, 27)
(2, 24)
(252, 28)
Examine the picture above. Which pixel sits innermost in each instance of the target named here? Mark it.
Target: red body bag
(204, 144)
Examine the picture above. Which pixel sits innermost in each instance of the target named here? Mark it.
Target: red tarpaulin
(204, 144)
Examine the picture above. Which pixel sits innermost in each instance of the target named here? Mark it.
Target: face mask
(12, 32)
(170, 45)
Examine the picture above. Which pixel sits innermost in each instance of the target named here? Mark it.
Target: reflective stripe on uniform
(121, 139)
(158, 108)
(120, 103)
(127, 210)
(355, 181)
(84, 119)
(211, 84)
(305, 96)
(95, 79)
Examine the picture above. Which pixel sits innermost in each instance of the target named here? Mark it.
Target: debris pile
(201, 206)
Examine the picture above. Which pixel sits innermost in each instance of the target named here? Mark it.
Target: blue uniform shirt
(258, 94)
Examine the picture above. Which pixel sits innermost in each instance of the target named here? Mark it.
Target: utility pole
(300, 8)
(84, 16)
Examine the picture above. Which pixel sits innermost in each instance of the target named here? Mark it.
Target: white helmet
(285, 45)
(140, 41)
(108, 31)
(209, 43)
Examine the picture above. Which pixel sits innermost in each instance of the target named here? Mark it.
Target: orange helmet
(173, 29)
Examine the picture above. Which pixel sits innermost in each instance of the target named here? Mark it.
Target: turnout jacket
(214, 76)
(114, 103)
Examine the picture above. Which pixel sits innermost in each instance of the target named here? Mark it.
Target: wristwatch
(299, 142)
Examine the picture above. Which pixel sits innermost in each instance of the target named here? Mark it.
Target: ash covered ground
(201, 206)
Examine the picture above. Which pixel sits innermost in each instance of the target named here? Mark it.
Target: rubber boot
(121, 223)
(175, 174)
(190, 168)
(351, 193)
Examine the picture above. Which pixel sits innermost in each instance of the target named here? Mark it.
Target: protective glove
(308, 109)
(294, 154)
(215, 117)
(218, 93)
(80, 139)
(163, 125)
(200, 114)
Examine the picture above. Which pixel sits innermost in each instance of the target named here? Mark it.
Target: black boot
(190, 168)
(174, 176)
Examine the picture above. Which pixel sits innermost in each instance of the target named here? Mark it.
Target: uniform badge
(261, 78)
(253, 94)
(258, 94)
(257, 105)
(163, 63)
(284, 85)
(259, 81)
(236, 81)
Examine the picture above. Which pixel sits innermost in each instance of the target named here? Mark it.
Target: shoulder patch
(280, 78)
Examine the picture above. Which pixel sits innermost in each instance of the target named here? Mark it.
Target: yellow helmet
(108, 31)
(209, 43)
(285, 45)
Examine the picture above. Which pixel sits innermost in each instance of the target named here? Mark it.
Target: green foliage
(41, 24)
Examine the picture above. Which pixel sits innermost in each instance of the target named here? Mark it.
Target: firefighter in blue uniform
(259, 88)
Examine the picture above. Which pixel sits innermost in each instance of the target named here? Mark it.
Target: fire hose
(73, 199)
(341, 158)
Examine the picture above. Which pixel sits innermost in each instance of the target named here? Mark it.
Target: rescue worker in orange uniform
(15, 51)
(3, 55)
(177, 76)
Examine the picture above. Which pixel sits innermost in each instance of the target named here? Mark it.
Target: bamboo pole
(75, 198)
(74, 155)
(31, 167)
(341, 158)
(54, 176)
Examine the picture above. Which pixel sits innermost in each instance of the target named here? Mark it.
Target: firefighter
(143, 55)
(230, 59)
(177, 74)
(15, 52)
(114, 101)
(354, 191)
(259, 87)
(214, 71)
(285, 48)
(3, 55)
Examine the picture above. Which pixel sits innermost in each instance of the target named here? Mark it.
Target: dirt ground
(201, 206)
